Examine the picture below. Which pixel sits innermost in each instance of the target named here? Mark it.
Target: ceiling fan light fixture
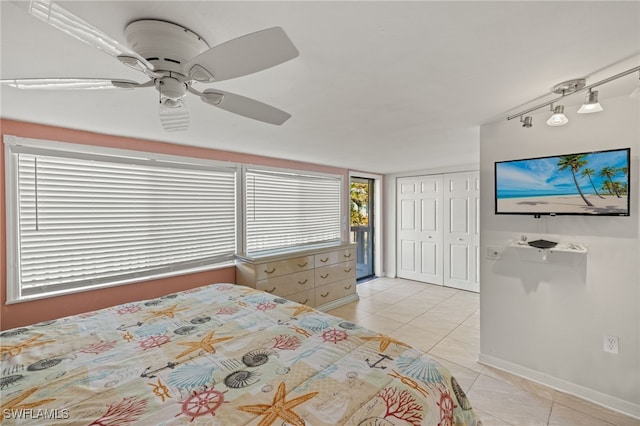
(591, 104)
(558, 118)
(172, 103)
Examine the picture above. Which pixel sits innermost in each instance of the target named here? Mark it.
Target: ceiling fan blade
(63, 20)
(243, 55)
(71, 83)
(244, 106)
(174, 115)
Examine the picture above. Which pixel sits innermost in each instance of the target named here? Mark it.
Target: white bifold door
(419, 234)
(438, 229)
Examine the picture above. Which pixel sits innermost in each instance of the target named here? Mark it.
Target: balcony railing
(362, 235)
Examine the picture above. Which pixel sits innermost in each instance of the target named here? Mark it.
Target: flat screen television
(587, 183)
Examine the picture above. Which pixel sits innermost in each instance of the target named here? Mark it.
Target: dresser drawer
(287, 284)
(304, 297)
(333, 273)
(283, 267)
(330, 292)
(333, 257)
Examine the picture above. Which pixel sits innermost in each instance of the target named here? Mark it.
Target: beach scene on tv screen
(593, 183)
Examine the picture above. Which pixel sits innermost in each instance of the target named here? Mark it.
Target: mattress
(221, 354)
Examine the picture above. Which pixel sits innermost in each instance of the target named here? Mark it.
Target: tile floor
(446, 323)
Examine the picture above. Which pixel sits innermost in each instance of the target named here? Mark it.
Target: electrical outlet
(611, 344)
(494, 253)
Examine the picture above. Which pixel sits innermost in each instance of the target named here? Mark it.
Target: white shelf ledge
(560, 248)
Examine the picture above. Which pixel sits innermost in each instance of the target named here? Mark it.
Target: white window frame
(339, 219)
(13, 144)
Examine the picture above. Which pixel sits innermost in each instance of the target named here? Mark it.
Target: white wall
(547, 321)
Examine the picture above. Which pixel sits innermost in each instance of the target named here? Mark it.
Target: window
(82, 217)
(286, 209)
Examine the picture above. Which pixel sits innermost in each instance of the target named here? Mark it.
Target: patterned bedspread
(220, 355)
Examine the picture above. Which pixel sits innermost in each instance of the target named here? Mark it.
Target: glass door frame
(376, 213)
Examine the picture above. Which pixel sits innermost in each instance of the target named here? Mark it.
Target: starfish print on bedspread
(15, 350)
(170, 312)
(301, 309)
(206, 344)
(385, 341)
(279, 407)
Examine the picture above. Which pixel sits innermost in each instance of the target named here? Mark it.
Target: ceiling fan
(173, 58)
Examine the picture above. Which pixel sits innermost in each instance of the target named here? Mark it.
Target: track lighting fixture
(558, 118)
(527, 121)
(591, 104)
(568, 88)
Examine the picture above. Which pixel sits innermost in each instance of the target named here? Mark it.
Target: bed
(221, 354)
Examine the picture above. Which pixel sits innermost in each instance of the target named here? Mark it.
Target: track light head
(527, 121)
(591, 104)
(558, 118)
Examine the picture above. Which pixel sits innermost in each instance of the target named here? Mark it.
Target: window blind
(287, 209)
(88, 220)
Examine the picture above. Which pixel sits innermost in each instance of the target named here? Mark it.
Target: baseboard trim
(595, 397)
(338, 302)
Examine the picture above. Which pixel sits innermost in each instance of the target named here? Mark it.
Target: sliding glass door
(361, 191)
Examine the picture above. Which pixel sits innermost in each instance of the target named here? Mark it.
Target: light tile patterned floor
(446, 323)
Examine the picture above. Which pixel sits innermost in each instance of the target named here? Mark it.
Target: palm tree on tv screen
(574, 163)
(609, 172)
(588, 173)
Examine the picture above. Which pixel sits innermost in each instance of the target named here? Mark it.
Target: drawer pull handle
(324, 295)
(324, 260)
(303, 265)
(305, 301)
(324, 276)
(303, 282)
(347, 255)
(271, 291)
(348, 287)
(348, 270)
(271, 271)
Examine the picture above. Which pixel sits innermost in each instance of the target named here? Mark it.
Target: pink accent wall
(25, 313)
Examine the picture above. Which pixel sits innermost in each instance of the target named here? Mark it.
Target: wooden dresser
(323, 278)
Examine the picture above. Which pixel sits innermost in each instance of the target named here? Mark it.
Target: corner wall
(547, 321)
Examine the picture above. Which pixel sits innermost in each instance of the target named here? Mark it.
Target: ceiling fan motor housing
(170, 87)
(166, 45)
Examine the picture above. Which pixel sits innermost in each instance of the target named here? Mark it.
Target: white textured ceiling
(380, 87)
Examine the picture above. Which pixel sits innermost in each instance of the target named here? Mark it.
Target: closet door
(419, 233)
(461, 231)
